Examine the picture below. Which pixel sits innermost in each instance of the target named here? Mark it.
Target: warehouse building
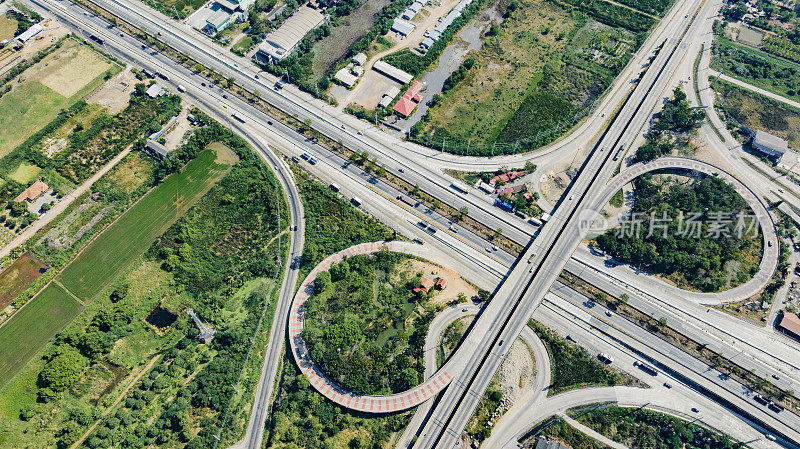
(769, 144)
(402, 27)
(790, 325)
(392, 72)
(280, 43)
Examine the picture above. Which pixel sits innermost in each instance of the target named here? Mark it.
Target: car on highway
(776, 377)
(422, 224)
(224, 96)
(464, 310)
(695, 410)
(312, 161)
(605, 358)
(760, 399)
(775, 407)
(488, 249)
(494, 247)
(667, 385)
(609, 313)
(453, 229)
(305, 156)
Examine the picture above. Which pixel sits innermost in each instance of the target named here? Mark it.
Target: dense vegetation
(711, 256)
(361, 326)
(639, 428)
(332, 224)
(614, 15)
(675, 119)
(573, 366)
(536, 74)
(302, 417)
(755, 67)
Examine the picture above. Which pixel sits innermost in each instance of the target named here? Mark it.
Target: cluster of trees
(783, 46)
(460, 73)
(332, 224)
(640, 428)
(677, 117)
(346, 321)
(303, 418)
(24, 21)
(687, 258)
(225, 238)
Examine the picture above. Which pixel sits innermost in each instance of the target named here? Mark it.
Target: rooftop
(764, 139)
(32, 192)
(791, 323)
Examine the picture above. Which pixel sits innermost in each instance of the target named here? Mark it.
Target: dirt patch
(175, 136)
(72, 68)
(18, 277)
(51, 32)
(455, 283)
(516, 373)
(114, 95)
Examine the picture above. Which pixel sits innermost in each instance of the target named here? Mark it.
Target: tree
(19, 208)
(623, 298)
(497, 233)
(46, 207)
(62, 370)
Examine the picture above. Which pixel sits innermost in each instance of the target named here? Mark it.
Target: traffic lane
(617, 325)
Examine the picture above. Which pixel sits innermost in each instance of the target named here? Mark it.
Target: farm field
(133, 232)
(7, 27)
(757, 112)
(23, 335)
(18, 277)
(59, 80)
(543, 66)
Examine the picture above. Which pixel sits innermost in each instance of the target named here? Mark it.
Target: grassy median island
(639, 428)
(636, 428)
(573, 366)
(710, 257)
(363, 326)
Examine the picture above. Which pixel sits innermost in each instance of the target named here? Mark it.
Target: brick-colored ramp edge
(324, 385)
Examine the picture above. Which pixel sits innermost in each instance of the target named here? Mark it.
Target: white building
(392, 72)
(30, 33)
(402, 27)
(281, 42)
(769, 144)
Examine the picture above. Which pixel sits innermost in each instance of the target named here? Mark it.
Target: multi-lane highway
(397, 155)
(544, 260)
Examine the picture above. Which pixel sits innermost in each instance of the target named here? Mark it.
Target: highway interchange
(423, 167)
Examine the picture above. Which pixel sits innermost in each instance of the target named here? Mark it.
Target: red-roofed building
(508, 177)
(527, 195)
(508, 191)
(406, 104)
(425, 285)
(32, 192)
(790, 324)
(441, 284)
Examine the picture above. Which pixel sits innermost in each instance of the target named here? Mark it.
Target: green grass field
(33, 325)
(25, 173)
(135, 230)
